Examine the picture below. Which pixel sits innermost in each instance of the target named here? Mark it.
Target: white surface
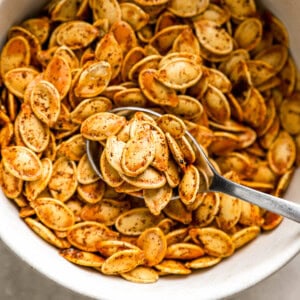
(255, 262)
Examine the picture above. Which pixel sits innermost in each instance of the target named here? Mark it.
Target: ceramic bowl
(247, 267)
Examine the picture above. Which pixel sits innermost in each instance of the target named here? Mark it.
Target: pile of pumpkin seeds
(220, 69)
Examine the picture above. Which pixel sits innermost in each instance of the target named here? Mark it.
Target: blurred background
(18, 281)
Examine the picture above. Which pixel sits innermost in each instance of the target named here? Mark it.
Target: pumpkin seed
(101, 125)
(181, 9)
(93, 80)
(45, 102)
(76, 34)
(179, 74)
(271, 221)
(130, 97)
(134, 15)
(122, 261)
(250, 214)
(6, 135)
(187, 42)
(249, 33)
(85, 172)
(157, 199)
(254, 107)
(106, 211)
(172, 173)
(22, 163)
(290, 114)
(135, 221)
(138, 154)
(72, 148)
(58, 72)
(260, 71)
(32, 40)
(110, 247)
(63, 181)
(39, 27)
(130, 59)
(215, 13)
(229, 212)
(276, 56)
(153, 242)
(36, 187)
(124, 35)
(11, 185)
(114, 150)
(53, 213)
(282, 153)
(17, 80)
(161, 155)
(213, 38)
(171, 124)
(189, 185)
(89, 107)
(86, 235)
(148, 62)
(109, 50)
(170, 266)
(176, 151)
(154, 91)
(82, 258)
(110, 174)
(177, 211)
(216, 104)
(241, 9)
(91, 192)
(68, 55)
(149, 179)
(163, 40)
(207, 210)
(184, 251)
(245, 235)
(107, 9)
(15, 54)
(33, 132)
(203, 262)
(215, 242)
(141, 275)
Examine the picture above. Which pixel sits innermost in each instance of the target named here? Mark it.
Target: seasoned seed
(22, 163)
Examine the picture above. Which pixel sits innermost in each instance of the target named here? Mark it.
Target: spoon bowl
(216, 182)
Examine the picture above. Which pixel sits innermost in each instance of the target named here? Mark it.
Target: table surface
(20, 282)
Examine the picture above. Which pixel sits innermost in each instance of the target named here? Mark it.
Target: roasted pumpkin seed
(53, 213)
(123, 261)
(153, 242)
(22, 163)
(63, 181)
(99, 126)
(136, 221)
(86, 235)
(45, 102)
(82, 258)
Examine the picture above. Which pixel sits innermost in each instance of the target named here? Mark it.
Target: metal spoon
(217, 182)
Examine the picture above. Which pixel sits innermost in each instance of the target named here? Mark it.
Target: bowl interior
(247, 267)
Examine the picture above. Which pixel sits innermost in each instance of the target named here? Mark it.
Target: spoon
(217, 182)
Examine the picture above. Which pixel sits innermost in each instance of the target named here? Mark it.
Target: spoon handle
(277, 205)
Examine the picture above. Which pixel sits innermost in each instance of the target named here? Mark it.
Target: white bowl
(247, 267)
